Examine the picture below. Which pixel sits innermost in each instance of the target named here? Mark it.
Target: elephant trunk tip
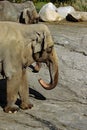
(52, 84)
(45, 85)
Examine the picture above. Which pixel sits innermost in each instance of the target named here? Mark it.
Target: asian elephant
(20, 46)
(24, 12)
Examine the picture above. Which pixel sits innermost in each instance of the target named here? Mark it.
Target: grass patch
(39, 5)
(80, 5)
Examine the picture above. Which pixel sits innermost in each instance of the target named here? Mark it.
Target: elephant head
(22, 46)
(29, 16)
(43, 51)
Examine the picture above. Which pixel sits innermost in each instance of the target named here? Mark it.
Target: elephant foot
(25, 106)
(11, 109)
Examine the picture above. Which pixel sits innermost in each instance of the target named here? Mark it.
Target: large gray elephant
(20, 46)
(18, 12)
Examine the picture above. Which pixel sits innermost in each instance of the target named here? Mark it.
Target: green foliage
(16, 1)
(39, 5)
(80, 5)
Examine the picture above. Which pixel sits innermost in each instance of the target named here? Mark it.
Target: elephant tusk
(37, 67)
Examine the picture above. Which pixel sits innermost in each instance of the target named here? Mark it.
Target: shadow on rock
(36, 95)
(3, 93)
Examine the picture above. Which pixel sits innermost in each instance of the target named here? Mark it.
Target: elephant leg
(12, 92)
(24, 92)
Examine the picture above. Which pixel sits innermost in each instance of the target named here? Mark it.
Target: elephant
(20, 46)
(24, 12)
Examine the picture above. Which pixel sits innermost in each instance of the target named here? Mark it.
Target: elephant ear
(39, 44)
(26, 15)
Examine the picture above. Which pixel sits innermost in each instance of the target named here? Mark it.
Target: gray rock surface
(65, 107)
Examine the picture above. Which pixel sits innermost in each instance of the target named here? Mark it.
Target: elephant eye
(49, 50)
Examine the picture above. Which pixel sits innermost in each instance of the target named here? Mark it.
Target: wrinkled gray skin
(20, 46)
(13, 12)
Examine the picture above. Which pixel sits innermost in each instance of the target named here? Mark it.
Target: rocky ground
(65, 107)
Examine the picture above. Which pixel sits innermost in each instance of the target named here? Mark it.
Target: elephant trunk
(53, 70)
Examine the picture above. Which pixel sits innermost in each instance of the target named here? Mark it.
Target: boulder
(63, 11)
(49, 13)
(77, 16)
(8, 11)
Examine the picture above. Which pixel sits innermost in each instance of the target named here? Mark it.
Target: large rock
(16, 12)
(65, 107)
(77, 16)
(63, 11)
(71, 45)
(49, 13)
(8, 11)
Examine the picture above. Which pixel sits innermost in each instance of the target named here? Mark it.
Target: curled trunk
(53, 71)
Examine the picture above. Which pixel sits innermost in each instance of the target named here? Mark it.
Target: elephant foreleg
(12, 92)
(24, 92)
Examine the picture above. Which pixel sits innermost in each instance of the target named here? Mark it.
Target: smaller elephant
(18, 12)
(20, 46)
